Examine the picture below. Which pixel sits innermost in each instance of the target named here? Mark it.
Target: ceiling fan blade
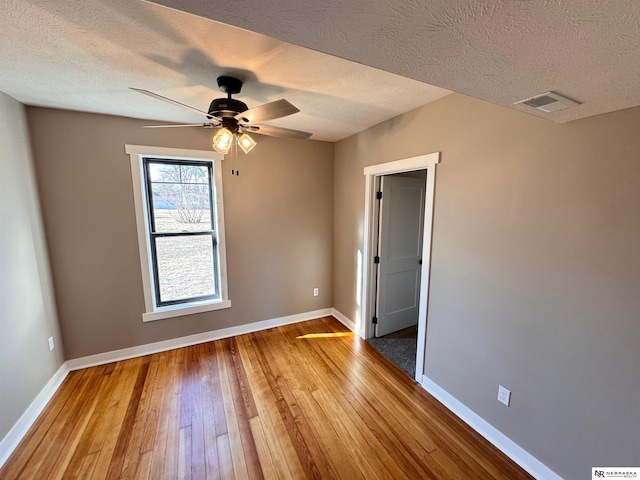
(267, 111)
(205, 125)
(279, 132)
(175, 102)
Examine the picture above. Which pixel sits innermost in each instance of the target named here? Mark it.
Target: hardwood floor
(307, 400)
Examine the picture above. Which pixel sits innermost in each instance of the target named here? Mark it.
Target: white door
(399, 251)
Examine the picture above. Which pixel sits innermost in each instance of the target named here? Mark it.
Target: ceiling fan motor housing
(226, 107)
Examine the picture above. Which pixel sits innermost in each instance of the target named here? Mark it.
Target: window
(181, 226)
(179, 213)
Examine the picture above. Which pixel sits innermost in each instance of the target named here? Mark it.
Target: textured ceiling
(501, 51)
(380, 57)
(85, 55)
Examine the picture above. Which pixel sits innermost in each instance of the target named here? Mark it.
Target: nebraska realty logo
(615, 472)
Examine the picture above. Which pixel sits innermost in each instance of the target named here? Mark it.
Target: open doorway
(399, 230)
(365, 325)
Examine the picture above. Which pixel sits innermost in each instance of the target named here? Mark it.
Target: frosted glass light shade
(246, 143)
(222, 141)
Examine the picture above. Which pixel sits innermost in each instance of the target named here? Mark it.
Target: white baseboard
(21, 427)
(149, 348)
(344, 320)
(503, 443)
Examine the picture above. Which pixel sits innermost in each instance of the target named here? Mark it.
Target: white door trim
(367, 298)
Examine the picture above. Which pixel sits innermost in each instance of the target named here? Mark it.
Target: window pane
(180, 196)
(180, 208)
(185, 267)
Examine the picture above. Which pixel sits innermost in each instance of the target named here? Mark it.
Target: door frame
(364, 325)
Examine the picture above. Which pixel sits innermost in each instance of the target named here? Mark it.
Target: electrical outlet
(51, 345)
(504, 395)
(315, 292)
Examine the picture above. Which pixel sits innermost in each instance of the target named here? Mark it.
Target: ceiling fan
(235, 119)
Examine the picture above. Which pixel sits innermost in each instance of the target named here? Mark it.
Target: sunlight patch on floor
(326, 335)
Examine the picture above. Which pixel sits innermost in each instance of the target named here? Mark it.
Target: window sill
(182, 310)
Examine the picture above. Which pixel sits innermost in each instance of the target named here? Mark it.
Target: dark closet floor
(400, 348)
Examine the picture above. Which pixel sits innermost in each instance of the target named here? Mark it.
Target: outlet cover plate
(504, 395)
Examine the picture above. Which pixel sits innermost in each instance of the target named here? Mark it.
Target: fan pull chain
(235, 172)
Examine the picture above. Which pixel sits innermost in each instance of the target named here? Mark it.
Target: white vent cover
(548, 102)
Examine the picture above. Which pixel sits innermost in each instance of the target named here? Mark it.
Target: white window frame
(152, 311)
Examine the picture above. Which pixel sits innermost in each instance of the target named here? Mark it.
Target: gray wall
(27, 309)
(278, 216)
(535, 270)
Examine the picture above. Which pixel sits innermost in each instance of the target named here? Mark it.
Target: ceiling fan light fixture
(246, 143)
(234, 118)
(222, 141)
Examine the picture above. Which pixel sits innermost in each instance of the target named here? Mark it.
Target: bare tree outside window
(183, 190)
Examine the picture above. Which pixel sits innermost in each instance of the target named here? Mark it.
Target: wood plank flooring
(308, 400)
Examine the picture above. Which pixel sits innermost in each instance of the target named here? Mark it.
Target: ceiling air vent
(548, 102)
